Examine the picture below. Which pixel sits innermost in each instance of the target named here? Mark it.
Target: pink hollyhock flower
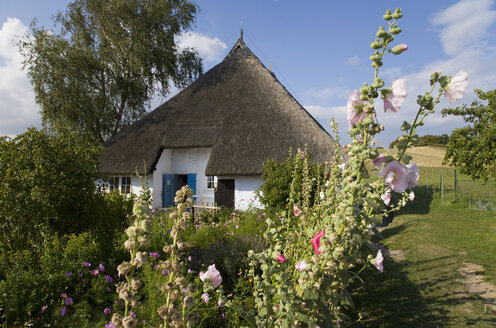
(353, 115)
(378, 261)
(301, 266)
(395, 174)
(386, 197)
(297, 211)
(379, 160)
(205, 297)
(399, 49)
(280, 258)
(456, 88)
(316, 241)
(413, 175)
(394, 100)
(213, 275)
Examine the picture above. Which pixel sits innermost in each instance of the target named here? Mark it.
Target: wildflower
(68, 301)
(378, 161)
(456, 88)
(189, 258)
(297, 211)
(110, 325)
(68, 274)
(378, 261)
(107, 311)
(205, 297)
(395, 174)
(301, 266)
(413, 175)
(190, 271)
(386, 197)
(399, 49)
(280, 258)
(212, 275)
(316, 241)
(301, 153)
(44, 308)
(62, 312)
(87, 264)
(101, 267)
(321, 194)
(395, 96)
(355, 111)
(165, 272)
(236, 226)
(95, 272)
(63, 295)
(109, 279)
(154, 255)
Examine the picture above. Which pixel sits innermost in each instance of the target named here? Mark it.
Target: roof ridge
(239, 47)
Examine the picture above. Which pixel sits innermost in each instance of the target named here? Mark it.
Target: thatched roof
(238, 108)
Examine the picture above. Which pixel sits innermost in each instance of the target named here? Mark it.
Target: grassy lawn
(425, 289)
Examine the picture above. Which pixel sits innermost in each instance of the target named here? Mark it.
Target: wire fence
(448, 184)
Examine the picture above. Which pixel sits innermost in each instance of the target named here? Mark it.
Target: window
(122, 184)
(211, 182)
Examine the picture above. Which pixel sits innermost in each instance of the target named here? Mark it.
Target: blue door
(167, 190)
(192, 182)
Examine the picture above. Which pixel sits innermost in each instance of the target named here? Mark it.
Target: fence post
(442, 186)
(427, 179)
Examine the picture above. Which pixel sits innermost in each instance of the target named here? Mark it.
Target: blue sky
(319, 50)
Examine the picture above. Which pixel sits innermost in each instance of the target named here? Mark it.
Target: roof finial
(241, 34)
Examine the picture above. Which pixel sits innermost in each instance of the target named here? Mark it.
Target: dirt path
(476, 285)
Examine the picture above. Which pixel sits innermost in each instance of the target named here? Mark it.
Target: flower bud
(378, 83)
(143, 240)
(399, 49)
(395, 30)
(124, 268)
(146, 225)
(189, 301)
(375, 56)
(136, 283)
(397, 13)
(129, 244)
(387, 16)
(131, 232)
(381, 33)
(376, 44)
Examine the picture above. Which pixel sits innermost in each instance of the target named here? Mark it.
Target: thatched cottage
(215, 135)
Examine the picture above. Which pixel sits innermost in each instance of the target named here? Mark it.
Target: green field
(436, 235)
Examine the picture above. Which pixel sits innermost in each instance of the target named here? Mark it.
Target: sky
(318, 49)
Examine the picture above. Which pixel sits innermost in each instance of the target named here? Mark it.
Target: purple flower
(155, 267)
(87, 264)
(190, 271)
(109, 279)
(165, 272)
(68, 274)
(132, 314)
(205, 297)
(44, 308)
(154, 255)
(108, 289)
(189, 258)
(107, 311)
(80, 275)
(102, 268)
(62, 312)
(95, 272)
(68, 301)
(63, 295)
(110, 325)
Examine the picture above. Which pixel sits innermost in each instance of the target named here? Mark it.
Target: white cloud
(17, 106)
(464, 23)
(352, 61)
(210, 49)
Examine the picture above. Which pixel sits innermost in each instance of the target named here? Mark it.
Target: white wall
(136, 184)
(244, 191)
(183, 161)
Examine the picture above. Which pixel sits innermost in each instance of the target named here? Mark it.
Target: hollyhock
(301, 266)
(379, 160)
(394, 100)
(213, 275)
(413, 175)
(386, 197)
(399, 49)
(395, 174)
(297, 211)
(456, 88)
(316, 241)
(354, 115)
(280, 258)
(378, 261)
(205, 297)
